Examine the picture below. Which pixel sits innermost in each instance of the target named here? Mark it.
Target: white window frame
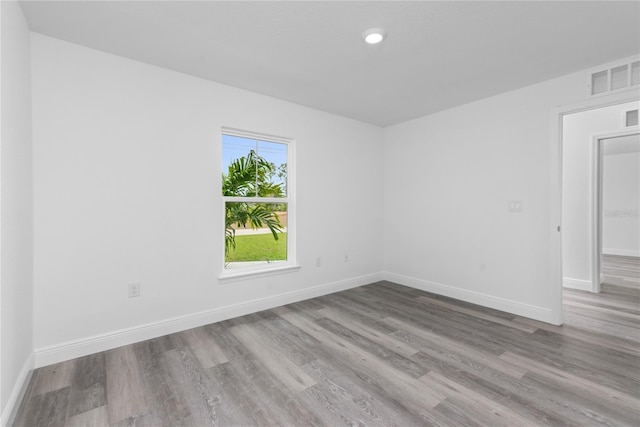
(265, 268)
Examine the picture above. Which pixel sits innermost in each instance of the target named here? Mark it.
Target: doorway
(560, 232)
(616, 199)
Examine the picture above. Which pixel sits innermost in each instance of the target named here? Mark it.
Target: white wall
(579, 130)
(126, 184)
(16, 221)
(126, 178)
(451, 175)
(621, 203)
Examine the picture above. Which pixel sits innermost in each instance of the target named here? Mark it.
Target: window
(257, 190)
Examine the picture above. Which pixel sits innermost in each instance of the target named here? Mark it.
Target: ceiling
(438, 54)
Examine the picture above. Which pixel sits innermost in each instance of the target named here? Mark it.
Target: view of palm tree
(255, 177)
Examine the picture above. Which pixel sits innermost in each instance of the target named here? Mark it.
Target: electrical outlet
(346, 257)
(515, 205)
(134, 289)
(318, 262)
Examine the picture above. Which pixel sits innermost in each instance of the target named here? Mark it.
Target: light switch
(515, 205)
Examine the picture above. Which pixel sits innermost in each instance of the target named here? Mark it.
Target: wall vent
(631, 118)
(615, 78)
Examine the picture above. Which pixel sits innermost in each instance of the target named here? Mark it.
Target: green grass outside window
(259, 247)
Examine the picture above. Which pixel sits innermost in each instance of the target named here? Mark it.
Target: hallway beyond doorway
(616, 309)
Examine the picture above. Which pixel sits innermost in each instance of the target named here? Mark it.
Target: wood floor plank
(378, 355)
(274, 400)
(588, 337)
(46, 409)
(379, 337)
(587, 321)
(456, 416)
(369, 391)
(162, 398)
(275, 361)
(53, 377)
(591, 300)
(473, 402)
(430, 339)
(371, 397)
(373, 366)
(540, 408)
(393, 359)
(97, 417)
(88, 389)
(605, 393)
(206, 350)
(285, 340)
(587, 409)
(125, 392)
(196, 390)
(478, 314)
(446, 322)
(579, 357)
(362, 404)
(613, 315)
(241, 395)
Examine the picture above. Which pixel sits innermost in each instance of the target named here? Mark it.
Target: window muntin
(257, 190)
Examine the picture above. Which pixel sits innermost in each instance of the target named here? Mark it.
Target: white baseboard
(583, 285)
(623, 252)
(19, 388)
(502, 304)
(83, 347)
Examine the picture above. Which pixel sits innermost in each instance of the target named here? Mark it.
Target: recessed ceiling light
(374, 35)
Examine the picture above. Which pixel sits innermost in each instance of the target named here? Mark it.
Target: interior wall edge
(514, 307)
(90, 345)
(17, 393)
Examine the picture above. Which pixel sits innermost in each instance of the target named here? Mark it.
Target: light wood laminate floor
(377, 355)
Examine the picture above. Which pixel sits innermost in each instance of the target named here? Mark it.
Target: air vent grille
(635, 73)
(615, 78)
(619, 77)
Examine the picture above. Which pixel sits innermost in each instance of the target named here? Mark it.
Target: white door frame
(555, 235)
(596, 203)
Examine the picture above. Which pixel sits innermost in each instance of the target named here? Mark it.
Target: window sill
(242, 274)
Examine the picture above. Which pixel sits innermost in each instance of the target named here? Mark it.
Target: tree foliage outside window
(254, 188)
(250, 177)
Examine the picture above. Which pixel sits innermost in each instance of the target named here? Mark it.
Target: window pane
(253, 168)
(274, 183)
(238, 176)
(256, 233)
